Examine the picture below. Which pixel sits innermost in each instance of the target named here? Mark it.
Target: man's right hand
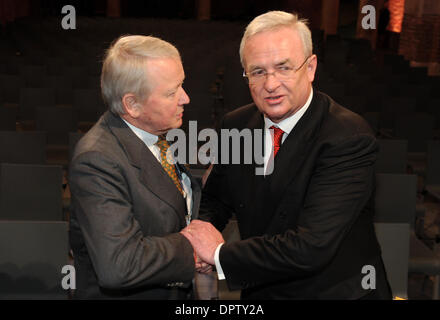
(204, 238)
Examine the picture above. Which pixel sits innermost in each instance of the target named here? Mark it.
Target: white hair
(124, 68)
(276, 19)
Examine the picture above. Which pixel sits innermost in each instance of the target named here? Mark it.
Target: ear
(311, 67)
(130, 105)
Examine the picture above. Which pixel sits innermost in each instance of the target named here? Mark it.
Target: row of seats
(395, 223)
(30, 272)
(62, 62)
(87, 102)
(23, 156)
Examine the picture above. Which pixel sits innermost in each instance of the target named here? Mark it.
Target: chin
(275, 116)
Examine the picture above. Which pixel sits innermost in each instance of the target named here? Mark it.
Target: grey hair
(124, 68)
(276, 19)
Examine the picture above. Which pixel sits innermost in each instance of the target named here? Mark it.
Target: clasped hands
(205, 239)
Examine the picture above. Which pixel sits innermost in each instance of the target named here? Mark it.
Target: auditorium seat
(417, 75)
(10, 86)
(392, 157)
(432, 182)
(359, 51)
(63, 88)
(88, 103)
(395, 207)
(33, 75)
(32, 255)
(32, 98)
(395, 198)
(393, 239)
(373, 120)
(335, 90)
(235, 89)
(78, 74)
(433, 108)
(202, 108)
(425, 261)
(54, 66)
(57, 122)
(397, 62)
(358, 84)
(374, 95)
(23, 147)
(353, 103)
(395, 223)
(94, 82)
(94, 68)
(30, 192)
(8, 118)
(392, 108)
(13, 63)
(398, 105)
(415, 127)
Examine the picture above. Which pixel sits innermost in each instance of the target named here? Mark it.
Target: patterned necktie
(163, 145)
(277, 136)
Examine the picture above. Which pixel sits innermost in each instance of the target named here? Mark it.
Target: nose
(184, 98)
(271, 83)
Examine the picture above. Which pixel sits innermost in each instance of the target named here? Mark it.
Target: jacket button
(241, 205)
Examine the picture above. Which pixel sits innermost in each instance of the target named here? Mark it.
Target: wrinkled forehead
(167, 68)
(273, 47)
(163, 73)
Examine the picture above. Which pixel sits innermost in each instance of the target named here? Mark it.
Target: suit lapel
(292, 153)
(255, 122)
(251, 192)
(152, 174)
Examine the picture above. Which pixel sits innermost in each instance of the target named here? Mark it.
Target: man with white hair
(307, 226)
(128, 202)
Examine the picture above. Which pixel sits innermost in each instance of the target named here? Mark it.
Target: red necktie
(277, 136)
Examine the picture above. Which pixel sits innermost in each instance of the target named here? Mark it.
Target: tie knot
(277, 138)
(278, 133)
(162, 143)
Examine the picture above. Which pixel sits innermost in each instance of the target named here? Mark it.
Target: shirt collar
(148, 138)
(289, 123)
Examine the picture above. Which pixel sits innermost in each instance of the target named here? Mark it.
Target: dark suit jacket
(125, 217)
(306, 229)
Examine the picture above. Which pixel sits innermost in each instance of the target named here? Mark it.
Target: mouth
(272, 100)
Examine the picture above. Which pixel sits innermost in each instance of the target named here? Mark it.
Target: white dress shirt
(287, 126)
(150, 141)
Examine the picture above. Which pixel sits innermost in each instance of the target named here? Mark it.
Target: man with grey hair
(307, 226)
(128, 202)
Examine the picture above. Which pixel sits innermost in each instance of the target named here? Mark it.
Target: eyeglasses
(282, 73)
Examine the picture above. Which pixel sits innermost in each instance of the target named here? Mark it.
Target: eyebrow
(283, 62)
(175, 88)
(287, 60)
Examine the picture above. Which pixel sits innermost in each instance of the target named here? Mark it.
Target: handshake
(205, 239)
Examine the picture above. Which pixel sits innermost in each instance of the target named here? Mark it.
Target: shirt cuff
(220, 274)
